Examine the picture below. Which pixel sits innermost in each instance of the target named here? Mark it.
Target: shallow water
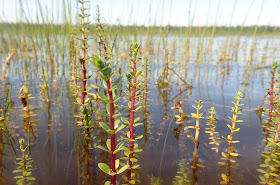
(59, 156)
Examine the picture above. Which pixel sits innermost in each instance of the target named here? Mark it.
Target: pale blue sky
(161, 12)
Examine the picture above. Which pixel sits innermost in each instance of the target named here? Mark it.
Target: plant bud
(21, 142)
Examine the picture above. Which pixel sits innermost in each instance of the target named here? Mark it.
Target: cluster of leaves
(109, 84)
(213, 136)
(133, 92)
(197, 116)
(269, 168)
(24, 166)
(87, 114)
(182, 176)
(227, 177)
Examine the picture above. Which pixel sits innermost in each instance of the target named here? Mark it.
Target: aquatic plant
(106, 74)
(271, 154)
(84, 56)
(24, 166)
(227, 177)
(197, 116)
(271, 103)
(131, 151)
(234, 120)
(182, 174)
(213, 136)
(195, 162)
(155, 180)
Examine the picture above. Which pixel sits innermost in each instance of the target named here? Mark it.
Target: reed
(6, 65)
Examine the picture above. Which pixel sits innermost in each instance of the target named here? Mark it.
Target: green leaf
(16, 171)
(117, 122)
(120, 144)
(136, 119)
(108, 101)
(134, 160)
(103, 148)
(104, 125)
(18, 177)
(135, 166)
(116, 115)
(108, 108)
(137, 124)
(139, 137)
(112, 88)
(107, 183)
(122, 169)
(233, 154)
(261, 171)
(266, 175)
(138, 73)
(235, 141)
(138, 108)
(120, 128)
(117, 163)
(78, 100)
(31, 178)
(137, 150)
(108, 143)
(131, 182)
(104, 167)
(102, 113)
(111, 131)
(102, 96)
(263, 165)
(117, 150)
(20, 181)
(125, 120)
(103, 77)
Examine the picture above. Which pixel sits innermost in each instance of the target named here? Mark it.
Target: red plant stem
(131, 121)
(271, 102)
(23, 157)
(84, 55)
(84, 71)
(113, 136)
(99, 52)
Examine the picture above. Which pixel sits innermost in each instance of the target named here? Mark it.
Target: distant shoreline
(152, 30)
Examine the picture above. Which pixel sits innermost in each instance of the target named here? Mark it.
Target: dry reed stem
(7, 64)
